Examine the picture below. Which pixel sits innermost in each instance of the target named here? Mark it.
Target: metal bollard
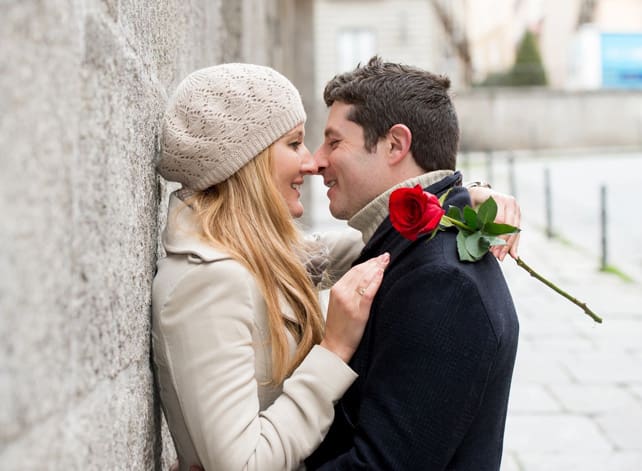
(603, 227)
(489, 167)
(512, 182)
(548, 202)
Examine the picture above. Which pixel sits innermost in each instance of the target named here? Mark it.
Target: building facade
(435, 34)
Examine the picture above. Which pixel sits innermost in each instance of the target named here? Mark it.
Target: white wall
(496, 119)
(622, 16)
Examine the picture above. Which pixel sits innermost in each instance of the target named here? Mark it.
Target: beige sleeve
(207, 326)
(343, 248)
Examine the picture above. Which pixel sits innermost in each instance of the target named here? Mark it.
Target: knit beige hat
(219, 118)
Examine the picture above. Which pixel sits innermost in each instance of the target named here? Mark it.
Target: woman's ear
(399, 140)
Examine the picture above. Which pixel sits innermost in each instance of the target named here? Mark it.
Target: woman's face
(291, 160)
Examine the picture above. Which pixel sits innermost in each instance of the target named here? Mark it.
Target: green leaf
(494, 228)
(455, 222)
(432, 235)
(476, 246)
(464, 255)
(445, 223)
(470, 216)
(487, 211)
(484, 244)
(455, 213)
(443, 197)
(493, 240)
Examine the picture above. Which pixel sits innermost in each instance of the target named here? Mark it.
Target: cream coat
(212, 356)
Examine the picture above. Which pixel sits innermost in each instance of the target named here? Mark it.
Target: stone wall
(83, 85)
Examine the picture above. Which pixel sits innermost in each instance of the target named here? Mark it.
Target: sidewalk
(576, 401)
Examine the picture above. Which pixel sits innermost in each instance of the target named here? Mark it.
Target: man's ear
(399, 140)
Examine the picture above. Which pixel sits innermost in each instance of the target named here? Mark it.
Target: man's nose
(308, 164)
(320, 159)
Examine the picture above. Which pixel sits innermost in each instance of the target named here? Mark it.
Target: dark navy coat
(435, 362)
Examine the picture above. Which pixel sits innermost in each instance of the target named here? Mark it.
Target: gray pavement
(576, 401)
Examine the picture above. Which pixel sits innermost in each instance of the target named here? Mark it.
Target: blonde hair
(247, 217)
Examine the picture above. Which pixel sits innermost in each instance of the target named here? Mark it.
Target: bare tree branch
(458, 38)
(586, 13)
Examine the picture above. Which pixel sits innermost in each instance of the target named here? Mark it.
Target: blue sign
(621, 60)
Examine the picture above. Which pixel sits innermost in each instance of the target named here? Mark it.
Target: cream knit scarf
(370, 217)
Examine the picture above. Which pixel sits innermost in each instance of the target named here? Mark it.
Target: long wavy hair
(247, 217)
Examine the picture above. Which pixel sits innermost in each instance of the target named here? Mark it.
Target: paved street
(575, 181)
(576, 401)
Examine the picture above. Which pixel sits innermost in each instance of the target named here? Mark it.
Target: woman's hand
(508, 212)
(349, 306)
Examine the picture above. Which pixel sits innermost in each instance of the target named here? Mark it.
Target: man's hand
(508, 212)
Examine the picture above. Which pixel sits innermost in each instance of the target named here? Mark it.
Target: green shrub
(528, 69)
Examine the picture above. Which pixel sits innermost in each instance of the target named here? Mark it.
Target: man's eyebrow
(329, 132)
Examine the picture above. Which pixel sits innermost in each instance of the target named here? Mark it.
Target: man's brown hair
(384, 94)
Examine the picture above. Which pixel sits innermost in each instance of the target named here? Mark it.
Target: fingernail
(384, 258)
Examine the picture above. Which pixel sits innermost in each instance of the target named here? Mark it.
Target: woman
(247, 371)
(234, 310)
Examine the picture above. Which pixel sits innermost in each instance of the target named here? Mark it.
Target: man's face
(351, 173)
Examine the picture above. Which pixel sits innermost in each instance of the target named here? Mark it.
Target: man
(436, 359)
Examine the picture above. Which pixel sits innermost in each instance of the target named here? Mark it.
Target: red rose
(414, 211)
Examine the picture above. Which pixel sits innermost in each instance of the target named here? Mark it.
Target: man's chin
(338, 213)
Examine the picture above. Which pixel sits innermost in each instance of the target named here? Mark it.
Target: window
(354, 46)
